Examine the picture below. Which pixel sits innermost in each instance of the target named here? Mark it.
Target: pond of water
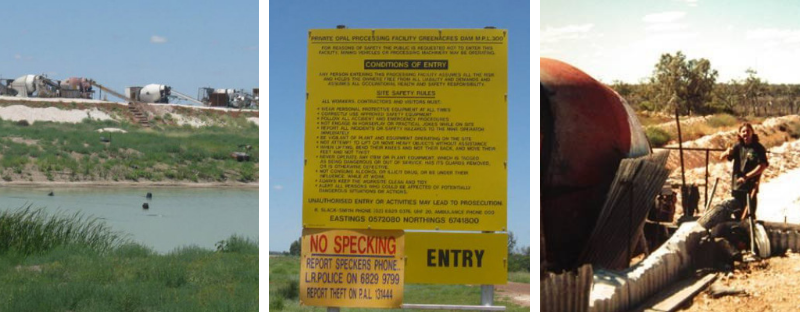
(176, 216)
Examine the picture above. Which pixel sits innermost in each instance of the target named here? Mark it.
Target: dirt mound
(772, 132)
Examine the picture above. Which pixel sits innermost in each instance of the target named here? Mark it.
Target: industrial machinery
(225, 98)
(154, 93)
(586, 131)
(157, 93)
(5, 89)
(35, 86)
(76, 88)
(255, 97)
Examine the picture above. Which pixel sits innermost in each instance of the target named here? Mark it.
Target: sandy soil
(770, 285)
(15, 112)
(519, 293)
(33, 114)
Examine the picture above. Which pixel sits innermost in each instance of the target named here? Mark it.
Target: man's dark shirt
(745, 159)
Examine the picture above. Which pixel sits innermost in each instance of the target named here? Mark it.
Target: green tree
(754, 88)
(727, 96)
(295, 247)
(686, 84)
(512, 242)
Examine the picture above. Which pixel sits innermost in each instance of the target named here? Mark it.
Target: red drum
(586, 130)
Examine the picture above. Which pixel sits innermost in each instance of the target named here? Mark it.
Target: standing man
(749, 161)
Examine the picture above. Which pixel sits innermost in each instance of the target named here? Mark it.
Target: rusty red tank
(586, 130)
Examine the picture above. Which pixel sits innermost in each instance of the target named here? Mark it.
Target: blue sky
(181, 43)
(289, 22)
(622, 40)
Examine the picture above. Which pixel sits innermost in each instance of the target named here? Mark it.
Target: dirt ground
(769, 285)
(519, 293)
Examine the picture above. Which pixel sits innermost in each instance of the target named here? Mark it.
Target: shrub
(657, 136)
(289, 290)
(722, 120)
(237, 244)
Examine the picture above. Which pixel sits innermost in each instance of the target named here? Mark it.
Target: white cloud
(691, 3)
(278, 187)
(781, 35)
(551, 34)
(23, 57)
(158, 39)
(666, 26)
(664, 17)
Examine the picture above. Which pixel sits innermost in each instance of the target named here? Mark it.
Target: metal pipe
(680, 148)
(750, 217)
(714, 190)
(706, 185)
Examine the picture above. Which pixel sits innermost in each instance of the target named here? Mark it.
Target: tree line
(690, 85)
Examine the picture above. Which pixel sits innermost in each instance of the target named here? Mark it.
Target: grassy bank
(284, 278)
(70, 263)
(47, 151)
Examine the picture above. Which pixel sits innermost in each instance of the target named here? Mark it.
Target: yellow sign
(406, 129)
(352, 268)
(456, 258)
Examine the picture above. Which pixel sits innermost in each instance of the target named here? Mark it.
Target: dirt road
(519, 293)
(770, 285)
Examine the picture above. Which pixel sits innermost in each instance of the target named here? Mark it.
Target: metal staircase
(136, 108)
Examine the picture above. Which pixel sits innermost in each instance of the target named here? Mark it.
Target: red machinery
(586, 130)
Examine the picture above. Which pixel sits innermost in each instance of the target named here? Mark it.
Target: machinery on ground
(157, 93)
(83, 88)
(226, 98)
(32, 86)
(42, 87)
(76, 88)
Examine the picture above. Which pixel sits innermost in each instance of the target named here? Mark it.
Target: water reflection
(176, 216)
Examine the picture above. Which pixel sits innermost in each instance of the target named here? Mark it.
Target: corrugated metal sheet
(566, 292)
(622, 218)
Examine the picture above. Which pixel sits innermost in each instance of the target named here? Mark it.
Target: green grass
(29, 231)
(284, 271)
(76, 153)
(519, 277)
(131, 278)
(75, 264)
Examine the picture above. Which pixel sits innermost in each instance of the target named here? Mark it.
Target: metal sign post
(487, 295)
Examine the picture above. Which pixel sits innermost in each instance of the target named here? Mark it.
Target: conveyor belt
(185, 97)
